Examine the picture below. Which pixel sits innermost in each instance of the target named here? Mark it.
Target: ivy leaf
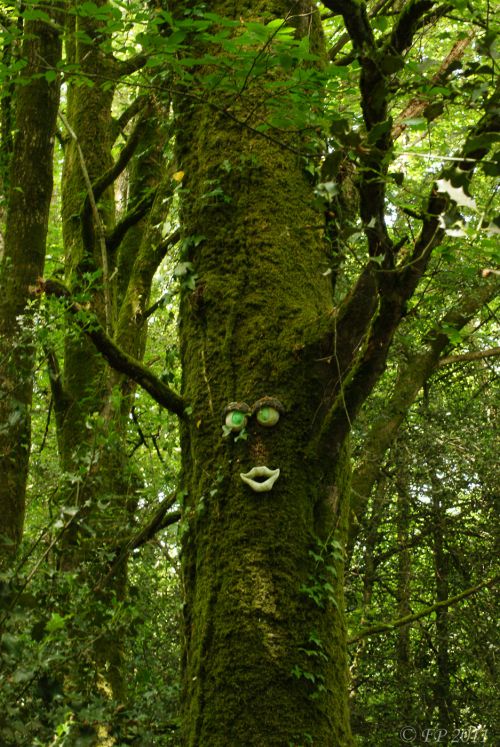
(56, 622)
(456, 194)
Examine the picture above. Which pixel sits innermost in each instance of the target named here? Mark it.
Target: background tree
(23, 253)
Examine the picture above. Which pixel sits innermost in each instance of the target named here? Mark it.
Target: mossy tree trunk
(111, 265)
(264, 649)
(264, 655)
(22, 262)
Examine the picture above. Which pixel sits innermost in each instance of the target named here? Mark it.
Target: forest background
(288, 202)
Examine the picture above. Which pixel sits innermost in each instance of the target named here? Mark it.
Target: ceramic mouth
(255, 481)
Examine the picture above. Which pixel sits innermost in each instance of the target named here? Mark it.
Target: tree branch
(395, 287)
(475, 355)
(129, 113)
(133, 216)
(406, 25)
(127, 67)
(411, 379)
(416, 107)
(408, 619)
(159, 521)
(106, 180)
(114, 355)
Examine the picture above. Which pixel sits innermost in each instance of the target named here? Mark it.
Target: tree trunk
(112, 264)
(92, 401)
(442, 687)
(264, 655)
(23, 260)
(403, 645)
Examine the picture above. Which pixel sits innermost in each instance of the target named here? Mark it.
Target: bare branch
(475, 355)
(408, 619)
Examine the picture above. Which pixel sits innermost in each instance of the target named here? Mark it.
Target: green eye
(236, 420)
(267, 416)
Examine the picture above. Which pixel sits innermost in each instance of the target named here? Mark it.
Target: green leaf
(35, 14)
(56, 622)
(23, 675)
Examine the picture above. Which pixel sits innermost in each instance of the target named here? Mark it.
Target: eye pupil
(237, 418)
(267, 415)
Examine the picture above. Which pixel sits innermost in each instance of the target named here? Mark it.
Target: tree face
(260, 575)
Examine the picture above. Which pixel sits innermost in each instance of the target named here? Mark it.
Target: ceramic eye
(267, 416)
(236, 420)
(235, 417)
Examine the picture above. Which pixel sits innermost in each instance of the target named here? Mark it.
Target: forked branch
(114, 355)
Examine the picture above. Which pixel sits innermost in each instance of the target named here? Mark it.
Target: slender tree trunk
(403, 646)
(442, 688)
(23, 260)
(113, 267)
(369, 564)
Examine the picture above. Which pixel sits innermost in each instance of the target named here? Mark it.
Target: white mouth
(259, 486)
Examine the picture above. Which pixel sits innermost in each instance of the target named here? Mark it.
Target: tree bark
(22, 262)
(264, 654)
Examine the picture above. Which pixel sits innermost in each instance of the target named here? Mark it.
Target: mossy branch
(407, 24)
(127, 67)
(131, 218)
(408, 619)
(62, 400)
(101, 184)
(114, 355)
(129, 113)
(411, 379)
(361, 364)
(431, 233)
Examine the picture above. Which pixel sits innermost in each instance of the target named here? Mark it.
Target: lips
(259, 485)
